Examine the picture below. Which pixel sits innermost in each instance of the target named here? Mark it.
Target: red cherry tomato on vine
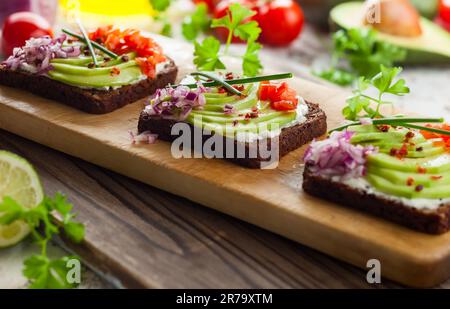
(444, 10)
(443, 19)
(21, 26)
(281, 22)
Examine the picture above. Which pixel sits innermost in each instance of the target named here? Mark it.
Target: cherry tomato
(21, 26)
(281, 22)
(444, 10)
(443, 19)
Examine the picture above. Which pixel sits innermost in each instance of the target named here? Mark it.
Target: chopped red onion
(144, 137)
(35, 56)
(229, 109)
(175, 103)
(336, 156)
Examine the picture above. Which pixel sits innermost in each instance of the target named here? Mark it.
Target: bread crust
(88, 100)
(425, 220)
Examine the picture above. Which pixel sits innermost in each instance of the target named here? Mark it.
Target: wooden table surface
(209, 242)
(219, 251)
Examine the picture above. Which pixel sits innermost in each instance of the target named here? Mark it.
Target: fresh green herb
(206, 55)
(220, 81)
(160, 5)
(94, 44)
(88, 43)
(251, 65)
(360, 104)
(240, 81)
(166, 29)
(42, 271)
(337, 76)
(360, 49)
(403, 121)
(196, 23)
(237, 23)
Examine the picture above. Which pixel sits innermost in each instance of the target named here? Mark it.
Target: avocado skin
(414, 56)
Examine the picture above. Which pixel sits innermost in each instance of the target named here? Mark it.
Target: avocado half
(433, 46)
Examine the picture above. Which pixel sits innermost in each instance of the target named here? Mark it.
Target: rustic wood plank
(137, 231)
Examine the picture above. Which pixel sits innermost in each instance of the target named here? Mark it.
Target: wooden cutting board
(271, 199)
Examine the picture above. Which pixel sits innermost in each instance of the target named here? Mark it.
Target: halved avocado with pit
(433, 46)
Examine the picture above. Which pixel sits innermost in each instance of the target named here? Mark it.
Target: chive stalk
(403, 121)
(220, 82)
(423, 128)
(88, 43)
(93, 43)
(240, 81)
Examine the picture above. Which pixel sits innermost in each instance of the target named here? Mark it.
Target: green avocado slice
(385, 186)
(402, 178)
(433, 46)
(127, 76)
(435, 164)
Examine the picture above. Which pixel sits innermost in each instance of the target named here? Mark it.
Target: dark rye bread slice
(424, 220)
(88, 100)
(290, 138)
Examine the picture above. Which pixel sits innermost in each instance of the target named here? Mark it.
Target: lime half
(18, 180)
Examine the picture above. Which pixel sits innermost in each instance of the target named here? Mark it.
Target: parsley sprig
(361, 105)
(357, 52)
(207, 54)
(160, 7)
(196, 23)
(41, 271)
(237, 23)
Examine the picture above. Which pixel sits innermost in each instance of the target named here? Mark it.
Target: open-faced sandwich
(251, 121)
(394, 167)
(110, 69)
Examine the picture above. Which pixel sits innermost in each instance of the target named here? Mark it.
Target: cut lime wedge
(18, 180)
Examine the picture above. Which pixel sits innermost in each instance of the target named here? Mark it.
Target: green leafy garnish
(251, 65)
(41, 271)
(160, 5)
(206, 55)
(337, 76)
(360, 104)
(196, 23)
(237, 23)
(362, 52)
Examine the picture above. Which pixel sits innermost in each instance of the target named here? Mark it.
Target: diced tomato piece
(284, 105)
(130, 40)
(266, 90)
